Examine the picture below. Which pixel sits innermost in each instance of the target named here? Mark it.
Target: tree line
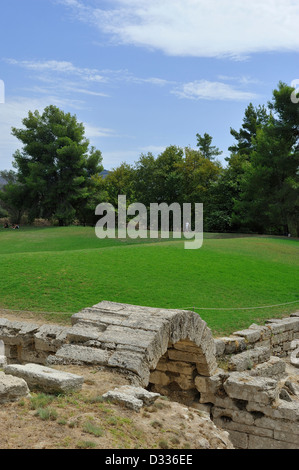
(59, 176)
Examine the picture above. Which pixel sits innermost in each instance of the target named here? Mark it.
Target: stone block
(237, 416)
(187, 346)
(124, 399)
(132, 362)
(46, 379)
(275, 368)
(183, 356)
(242, 386)
(251, 335)
(264, 331)
(248, 359)
(219, 347)
(50, 337)
(77, 354)
(81, 333)
(264, 443)
(233, 344)
(159, 378)
(226, 422)
(176, 366)
(238, 439)
(12, 388)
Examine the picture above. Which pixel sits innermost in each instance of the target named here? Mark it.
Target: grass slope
(66, 269)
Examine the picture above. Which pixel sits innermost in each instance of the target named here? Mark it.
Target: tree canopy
(55, 166)
(58, 174)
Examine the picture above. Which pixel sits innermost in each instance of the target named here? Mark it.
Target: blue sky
(144, 74)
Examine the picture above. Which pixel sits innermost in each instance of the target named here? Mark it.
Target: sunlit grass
(63, 270)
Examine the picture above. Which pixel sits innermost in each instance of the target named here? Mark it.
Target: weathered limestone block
(182, 356)
(211, 387)
(248, 359)
(288, 427)
(285, 324)
(231, 344)
(128, 401)
(237, 416)
(275, 368)
(50, 338)
(282, 337)
(146, 340)
(186, 325)
(77, 354)
(242, 386)
(132, 362)
(238, 439)
(94, 315)
(259, 442)
(219, 347)
(46, 379)
(224, 421)
(17, 333)
(176, 366)
(188, 346)
(251, 335)
(12, 388)
(185, 382)
(265, 331)
(159, 378)
(131, 397)
(287, 436)
(81, 333)
(147, 397)
(279, 410)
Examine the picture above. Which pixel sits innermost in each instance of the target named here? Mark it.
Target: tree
(55, 163)
(120, 181)
(254, 119)
(208, 150)
(269, 193)
(12, 197)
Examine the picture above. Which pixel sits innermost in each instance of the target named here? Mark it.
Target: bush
(4, 220)
(42, 223)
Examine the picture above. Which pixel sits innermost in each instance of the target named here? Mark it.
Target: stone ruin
(248, 382)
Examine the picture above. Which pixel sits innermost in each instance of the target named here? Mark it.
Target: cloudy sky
(143, 74)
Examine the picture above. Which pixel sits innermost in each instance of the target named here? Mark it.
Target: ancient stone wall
(247, 382)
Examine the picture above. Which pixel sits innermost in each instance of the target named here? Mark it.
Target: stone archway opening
(175, 373)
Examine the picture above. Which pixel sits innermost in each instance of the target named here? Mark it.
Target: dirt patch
(83, 420)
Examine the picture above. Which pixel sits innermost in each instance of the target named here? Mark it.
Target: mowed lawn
(65, 269)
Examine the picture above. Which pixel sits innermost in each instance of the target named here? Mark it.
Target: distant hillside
(104, 173)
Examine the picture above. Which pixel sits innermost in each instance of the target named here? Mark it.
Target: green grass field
(65, 269)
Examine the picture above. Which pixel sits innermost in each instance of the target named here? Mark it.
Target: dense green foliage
(256, 192)
(58, 177)
(56, 170)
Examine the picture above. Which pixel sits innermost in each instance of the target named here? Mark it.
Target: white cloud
(60, 67)
(207, 90)
(94, 131)
(201, 28)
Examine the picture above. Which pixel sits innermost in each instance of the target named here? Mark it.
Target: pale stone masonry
(248, 382)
